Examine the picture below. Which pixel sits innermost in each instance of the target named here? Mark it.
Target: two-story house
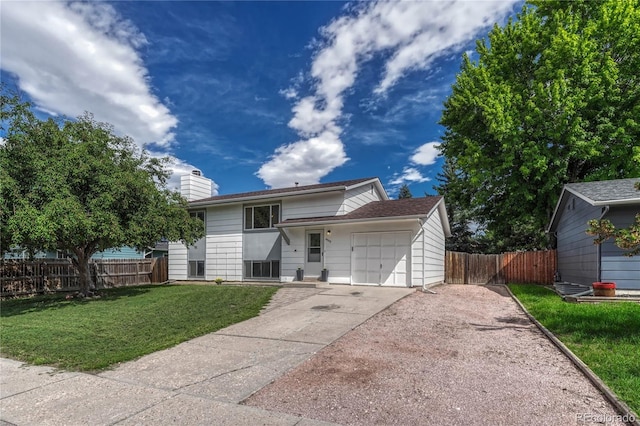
(351, 229)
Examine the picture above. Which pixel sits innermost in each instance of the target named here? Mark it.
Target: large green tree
(553, 97)
(75, 185)
(464, 235)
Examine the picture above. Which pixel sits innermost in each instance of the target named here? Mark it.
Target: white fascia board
(343, 221)
(265, 196)
(444, 219)
(555, 211)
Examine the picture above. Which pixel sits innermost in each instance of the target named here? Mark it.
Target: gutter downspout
(599, 249)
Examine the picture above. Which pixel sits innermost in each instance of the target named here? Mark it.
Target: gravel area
(466, 355)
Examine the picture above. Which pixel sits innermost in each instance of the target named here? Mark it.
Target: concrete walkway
(200, 381)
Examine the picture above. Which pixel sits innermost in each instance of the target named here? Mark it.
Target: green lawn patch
(604, 336)
(125, 323)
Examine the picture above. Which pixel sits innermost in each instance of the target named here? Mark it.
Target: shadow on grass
(19, 306)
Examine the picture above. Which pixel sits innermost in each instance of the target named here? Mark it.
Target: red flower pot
(603, 289)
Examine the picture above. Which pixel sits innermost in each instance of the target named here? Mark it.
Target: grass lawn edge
(621, 406)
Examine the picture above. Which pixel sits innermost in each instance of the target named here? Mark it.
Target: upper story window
(261, 217)
(198, 214)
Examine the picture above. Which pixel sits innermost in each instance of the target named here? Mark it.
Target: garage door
(380, 258)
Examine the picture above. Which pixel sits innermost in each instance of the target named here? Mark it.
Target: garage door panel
(381, 258)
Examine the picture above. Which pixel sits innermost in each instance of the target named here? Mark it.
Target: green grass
(604, 336)
(124, 324)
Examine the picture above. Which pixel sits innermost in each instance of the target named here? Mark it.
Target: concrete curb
(623, 408)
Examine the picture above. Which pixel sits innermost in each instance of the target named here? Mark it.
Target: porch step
(301, 284)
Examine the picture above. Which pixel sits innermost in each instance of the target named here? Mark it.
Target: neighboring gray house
(351, 228)
(581, 261)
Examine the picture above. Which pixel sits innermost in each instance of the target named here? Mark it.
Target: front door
(313, 255)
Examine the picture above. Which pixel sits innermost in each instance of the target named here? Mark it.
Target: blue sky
(255, 94)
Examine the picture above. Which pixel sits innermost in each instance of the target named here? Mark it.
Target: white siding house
(348, 230)
(580, 261)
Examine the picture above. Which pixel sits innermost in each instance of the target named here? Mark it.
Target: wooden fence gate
(526, 267)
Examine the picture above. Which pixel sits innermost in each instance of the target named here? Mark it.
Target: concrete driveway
(200, 381)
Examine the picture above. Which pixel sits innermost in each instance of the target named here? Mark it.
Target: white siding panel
(433, 250)
(224, 243)
(177, 261)
(358, 197)
(313, 206)
(292, 254)
(417, 259)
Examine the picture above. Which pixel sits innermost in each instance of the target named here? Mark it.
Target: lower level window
(196, 268)
(262, 269)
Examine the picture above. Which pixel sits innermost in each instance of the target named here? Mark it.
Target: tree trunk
(81, 262)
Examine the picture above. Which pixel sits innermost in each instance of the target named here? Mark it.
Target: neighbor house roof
(290, 191)
(600, 193)
(406, 208)
(618, 191)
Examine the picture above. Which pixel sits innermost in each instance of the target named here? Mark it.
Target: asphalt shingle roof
(607, 190)
(380, 209)
(283, 191)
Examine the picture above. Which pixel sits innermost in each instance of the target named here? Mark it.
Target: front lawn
(125, 323)
(604, 336)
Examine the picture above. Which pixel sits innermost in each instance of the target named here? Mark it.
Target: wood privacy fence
(526, 267)
(20, 277)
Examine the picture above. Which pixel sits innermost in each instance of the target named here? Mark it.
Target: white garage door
(380, 258)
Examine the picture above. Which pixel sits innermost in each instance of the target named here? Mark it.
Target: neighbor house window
(262, 268)
(261, 217)
(196, 268)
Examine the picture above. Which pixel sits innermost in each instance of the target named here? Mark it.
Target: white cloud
(289, 93)
(305, 161)
(410, 35)
(409, 174)
(71, 58)
(179, 168)
(427, 154)
(434, 28)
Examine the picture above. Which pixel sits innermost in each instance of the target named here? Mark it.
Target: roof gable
(606, 191)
